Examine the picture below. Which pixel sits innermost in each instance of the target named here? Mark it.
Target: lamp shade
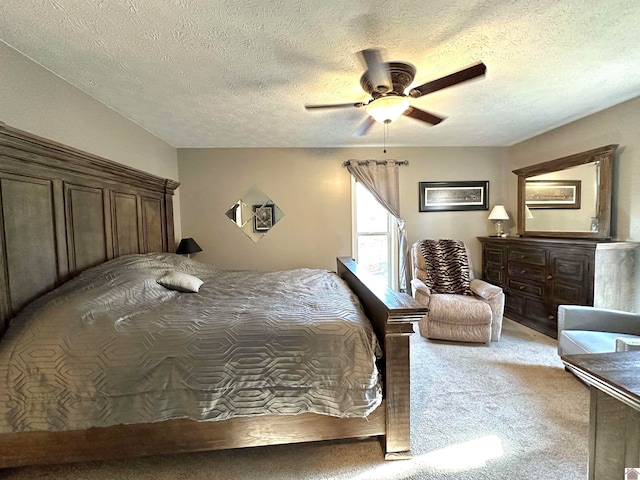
(498, 213)
(527, 212)
(188, 246)
(387, 109)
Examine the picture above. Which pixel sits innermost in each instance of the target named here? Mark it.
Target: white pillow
(180, 281)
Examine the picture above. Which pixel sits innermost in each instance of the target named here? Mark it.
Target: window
(374, 242)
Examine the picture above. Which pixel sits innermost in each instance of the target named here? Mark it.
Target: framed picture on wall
(552, 194)
(448, 196)
(262, 218)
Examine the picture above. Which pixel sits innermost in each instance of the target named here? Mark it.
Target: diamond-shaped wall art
(255, 213)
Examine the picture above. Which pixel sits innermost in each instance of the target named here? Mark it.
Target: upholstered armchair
(584, 329)
(461, 307)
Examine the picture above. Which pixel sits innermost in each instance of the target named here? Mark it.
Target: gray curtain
(381, 178)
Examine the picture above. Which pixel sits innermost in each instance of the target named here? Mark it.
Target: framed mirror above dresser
(569, 197)
(563, 254)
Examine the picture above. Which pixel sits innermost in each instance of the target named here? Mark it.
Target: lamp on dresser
(498, 215)
(188, 246)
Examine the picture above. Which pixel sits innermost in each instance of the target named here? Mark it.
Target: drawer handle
(521, 287)
(549, 277)
(551, 317)
(523, 271)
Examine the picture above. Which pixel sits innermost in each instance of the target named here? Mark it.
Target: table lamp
(188, 246)
(498, 215)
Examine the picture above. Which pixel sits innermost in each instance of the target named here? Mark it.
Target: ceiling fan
(387, 83)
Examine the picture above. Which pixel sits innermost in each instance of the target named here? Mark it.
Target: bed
(68, 219)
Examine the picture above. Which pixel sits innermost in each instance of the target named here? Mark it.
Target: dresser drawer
(527, 271)
(514, 305)
(568, 267)
(494, 265)
(494, 274)
(494, 255)
(532, 312)
(569, 293)
(533, 257)
(543, 316)
(530, 288)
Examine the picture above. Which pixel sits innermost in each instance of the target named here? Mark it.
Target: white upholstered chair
(461, 307)
(584, 329)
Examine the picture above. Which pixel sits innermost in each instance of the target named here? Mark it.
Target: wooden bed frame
(63, 210)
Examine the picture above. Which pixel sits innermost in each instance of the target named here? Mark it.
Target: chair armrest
(577, 317)
(484, 289)
(494, 296)
(420, 291)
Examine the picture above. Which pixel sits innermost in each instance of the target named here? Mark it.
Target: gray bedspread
(112, 346)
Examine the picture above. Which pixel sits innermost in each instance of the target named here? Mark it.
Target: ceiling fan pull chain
(384, 138)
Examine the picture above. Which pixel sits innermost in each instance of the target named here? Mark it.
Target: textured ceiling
(237, 73)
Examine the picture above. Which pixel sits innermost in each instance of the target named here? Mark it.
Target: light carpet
(508, 411)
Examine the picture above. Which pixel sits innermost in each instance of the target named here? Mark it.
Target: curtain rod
(377, 162)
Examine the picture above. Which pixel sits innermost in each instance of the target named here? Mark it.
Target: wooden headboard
(63, 210)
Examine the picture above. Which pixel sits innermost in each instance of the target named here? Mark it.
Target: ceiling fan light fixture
(387, 109)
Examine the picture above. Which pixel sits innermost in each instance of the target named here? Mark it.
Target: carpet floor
(508, 411)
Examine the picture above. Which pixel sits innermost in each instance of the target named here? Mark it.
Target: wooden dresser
(538, 274)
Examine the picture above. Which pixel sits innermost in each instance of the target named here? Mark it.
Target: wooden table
(614, 420)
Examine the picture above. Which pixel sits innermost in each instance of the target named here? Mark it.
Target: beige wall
(35, 100)
(314, 191)
(452, 164)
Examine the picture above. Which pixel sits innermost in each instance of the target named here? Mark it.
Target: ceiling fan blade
(378, 71)
(469, 73)
(364, 127)
(418, 114)
(335, 105)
